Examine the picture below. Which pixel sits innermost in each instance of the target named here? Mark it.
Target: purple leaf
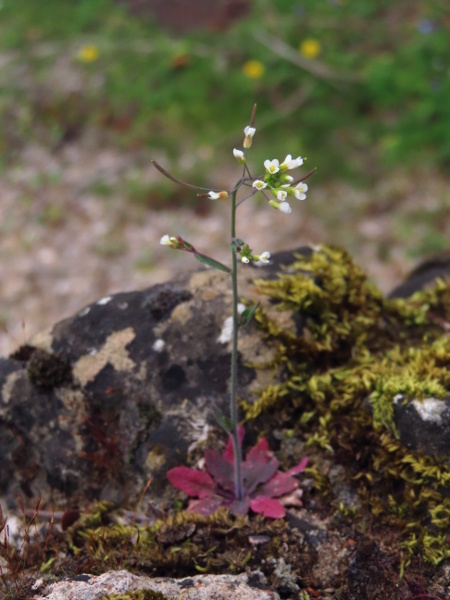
(192, 482)
(269, 507)
(259, 465)
(279, 485)
(229, 450)
(299, 468)
(220, 469)
(205, 506)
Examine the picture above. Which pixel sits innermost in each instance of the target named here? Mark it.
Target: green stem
(234, 419)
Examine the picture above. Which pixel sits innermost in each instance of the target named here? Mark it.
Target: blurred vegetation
(358, 85)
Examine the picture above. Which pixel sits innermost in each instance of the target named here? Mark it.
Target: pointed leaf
(215, 264)
(268, 507)
(279, 485)
(247, 314)
(220, 469)
(259, 466)
(192, 481)
(205, 506)
(299, 468)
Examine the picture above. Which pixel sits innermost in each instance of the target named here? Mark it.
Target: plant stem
(238, 483)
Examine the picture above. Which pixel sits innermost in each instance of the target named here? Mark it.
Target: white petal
(285, 208)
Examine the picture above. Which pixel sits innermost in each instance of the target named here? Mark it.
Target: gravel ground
(63, 246)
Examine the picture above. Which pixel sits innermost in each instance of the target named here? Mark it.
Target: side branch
(172, 178)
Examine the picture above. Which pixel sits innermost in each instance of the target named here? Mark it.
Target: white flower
(170, 241)
(167, 240)
(239, 155)
(245, 260)
(282, 206)
(300, 191)
(291, 163)
(264, 257)
(287, 178)
(281, 195)
(272, 166)
(259, 185)
(285, 208)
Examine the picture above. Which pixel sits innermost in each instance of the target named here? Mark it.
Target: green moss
(137, 595)
(180, 544)
(356, 352)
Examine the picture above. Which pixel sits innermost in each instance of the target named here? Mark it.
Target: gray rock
(126, 387)
(200, 587)
(424, 424)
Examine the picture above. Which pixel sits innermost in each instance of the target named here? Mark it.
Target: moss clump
(355, 351)
(181, 545)
(47, 371)
(137, 595)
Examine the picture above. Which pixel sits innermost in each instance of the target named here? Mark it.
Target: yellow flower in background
(310, 48)
(253, 69)
(88, 53)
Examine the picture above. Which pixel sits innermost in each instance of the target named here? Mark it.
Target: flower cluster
(276, 181)
(280, 184)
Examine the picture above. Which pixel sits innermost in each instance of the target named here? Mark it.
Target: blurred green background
(360, 85)
(91, 90)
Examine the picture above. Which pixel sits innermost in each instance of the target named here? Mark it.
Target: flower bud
(239, 155)
(166, 240)
(217, 195)
(249, 133)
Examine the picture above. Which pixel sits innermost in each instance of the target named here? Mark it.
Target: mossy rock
(331, 368)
